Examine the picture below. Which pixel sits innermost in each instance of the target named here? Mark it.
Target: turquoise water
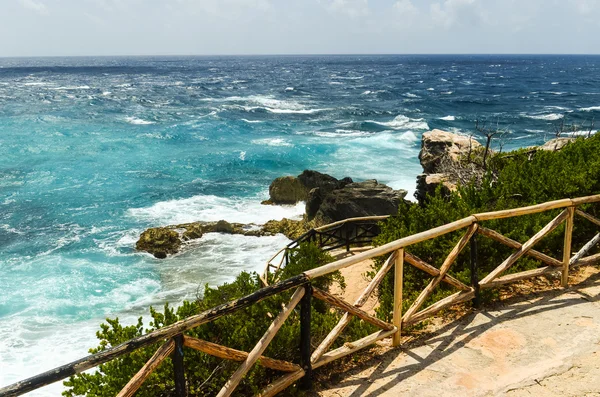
(95, 150)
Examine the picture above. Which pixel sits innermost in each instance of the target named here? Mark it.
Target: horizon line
(297, 55)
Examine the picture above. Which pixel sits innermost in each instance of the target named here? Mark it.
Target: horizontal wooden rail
(363, 218)
(237, 355)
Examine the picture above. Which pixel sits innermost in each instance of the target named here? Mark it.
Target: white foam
(242, 155)
(431, 89)
(340, 132)
(211, 208)
(410, 95)
(448, 118)
(289, 88)
(72, 88)
(549, 117)
(590, 109)
(402, 122)
(272, 142)
(252, 121)
(555, 83)
(268, 103)
(137, 121)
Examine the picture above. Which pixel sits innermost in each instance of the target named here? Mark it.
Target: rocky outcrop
(428, 184)
(159, 241)
(290, 228)
(291, 190)
(287, 190)
(555, 144)
(168, 240)
(368, 198)
(445, 159)
(438, 147)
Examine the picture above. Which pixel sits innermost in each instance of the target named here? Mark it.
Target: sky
(215, 27)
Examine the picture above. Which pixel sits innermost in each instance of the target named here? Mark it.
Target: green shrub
(205, 374)
(519, 179)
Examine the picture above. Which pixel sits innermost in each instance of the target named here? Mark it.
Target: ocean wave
(211, 208)
(549, 117)
(268, 103)
(403, 122)
(590, 109)
(448, 118)
(341, 132)
(272, 142)
(252, 121)
(137, 121)
(534, 131)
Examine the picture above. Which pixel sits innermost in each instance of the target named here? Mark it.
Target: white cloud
(34, 5)
(457, 12)
(351, 8)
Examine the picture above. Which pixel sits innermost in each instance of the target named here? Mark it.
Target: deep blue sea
(95, 150)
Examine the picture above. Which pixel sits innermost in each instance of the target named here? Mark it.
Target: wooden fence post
(178, 368)
(474, 278)
(567, 246)
(398, 279)
(305, 338)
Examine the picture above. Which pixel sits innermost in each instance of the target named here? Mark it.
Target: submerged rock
(368, 198)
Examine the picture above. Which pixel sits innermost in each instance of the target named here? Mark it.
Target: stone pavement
(542, 344)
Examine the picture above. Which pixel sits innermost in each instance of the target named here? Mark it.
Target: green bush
(205, 374)
(516, 179)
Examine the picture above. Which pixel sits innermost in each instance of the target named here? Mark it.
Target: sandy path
(542, 344)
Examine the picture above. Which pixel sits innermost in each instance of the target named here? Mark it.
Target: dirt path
(539, 344)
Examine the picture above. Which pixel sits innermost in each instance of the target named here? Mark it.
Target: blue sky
(174, 27)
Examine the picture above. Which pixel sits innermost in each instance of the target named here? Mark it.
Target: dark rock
(367, 198)
(291, 190)
(313, 202)
(313, 179)
(159, 241)
(287, 190)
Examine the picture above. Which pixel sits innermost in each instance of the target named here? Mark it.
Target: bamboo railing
(173, 337)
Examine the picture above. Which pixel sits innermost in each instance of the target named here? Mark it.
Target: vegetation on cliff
(514, 179)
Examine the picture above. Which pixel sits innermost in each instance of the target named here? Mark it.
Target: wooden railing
(174, 339)
(347, 233)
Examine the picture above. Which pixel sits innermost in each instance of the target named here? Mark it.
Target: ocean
(95, 150)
